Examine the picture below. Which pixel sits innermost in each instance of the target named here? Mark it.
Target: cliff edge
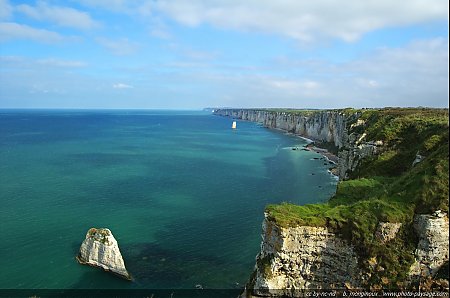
(387, 225)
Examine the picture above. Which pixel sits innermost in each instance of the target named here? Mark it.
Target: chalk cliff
(100, 249)
(300, 257)
(324, 126)
(297, 259)
(433, 247)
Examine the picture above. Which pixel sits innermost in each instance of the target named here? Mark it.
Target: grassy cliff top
(385, 187)
(367, 112)
(390, 176)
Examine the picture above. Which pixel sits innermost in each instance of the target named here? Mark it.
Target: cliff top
(387, 184)
(102, 235)
(393, 111)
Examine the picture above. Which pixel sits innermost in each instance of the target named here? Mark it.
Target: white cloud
(5, 9)
(9, 30)
(306, 21)
(122, 86)
(413, 75)
(120, 46)
(191, 54)
(142, 8)
(160, 33)
(23, 62)
(54, 62)
(293, 85)
(62, 16)
(416, 74)
(159, 29)
(113, 5)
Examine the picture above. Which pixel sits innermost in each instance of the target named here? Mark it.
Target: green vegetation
(264, 264)
(385, 188)
(303, 112)
(405, 133)
(99, 235)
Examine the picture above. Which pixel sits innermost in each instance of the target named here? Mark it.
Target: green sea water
(182, 192)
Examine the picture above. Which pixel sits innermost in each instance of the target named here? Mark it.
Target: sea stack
(100, 249)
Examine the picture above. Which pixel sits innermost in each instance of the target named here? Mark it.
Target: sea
(182, 192)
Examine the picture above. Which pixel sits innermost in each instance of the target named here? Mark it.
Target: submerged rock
(100, 249)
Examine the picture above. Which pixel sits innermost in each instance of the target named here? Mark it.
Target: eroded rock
(100, 249)
(387, 231)
(433, 248)
(295, 259)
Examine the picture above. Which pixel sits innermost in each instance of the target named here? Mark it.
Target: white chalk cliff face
(325, 126)
(433, 247)
(299, 258)
(100, 249)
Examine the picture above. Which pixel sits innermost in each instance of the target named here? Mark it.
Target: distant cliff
(329, 127)
(387, 224)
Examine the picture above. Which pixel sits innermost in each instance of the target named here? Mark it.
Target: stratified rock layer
(433, 247)
(300, 258)
(100, 249)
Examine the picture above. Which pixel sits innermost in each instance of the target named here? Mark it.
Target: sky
(191, 54)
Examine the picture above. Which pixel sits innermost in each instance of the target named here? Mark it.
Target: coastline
(311, 146)
(360, 220)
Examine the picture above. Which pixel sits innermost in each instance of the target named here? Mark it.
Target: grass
(384, 188)
(99, 235)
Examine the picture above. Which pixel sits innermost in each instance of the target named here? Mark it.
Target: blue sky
(204, 53)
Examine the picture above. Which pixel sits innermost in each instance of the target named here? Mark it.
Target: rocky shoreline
(315, 136)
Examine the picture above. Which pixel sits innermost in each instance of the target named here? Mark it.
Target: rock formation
(432, 250)
(100, 249)
(301, 258)
(387, 231)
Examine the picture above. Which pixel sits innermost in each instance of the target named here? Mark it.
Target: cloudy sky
(191, 54)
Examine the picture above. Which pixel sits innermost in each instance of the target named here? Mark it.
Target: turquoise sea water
(182, 193)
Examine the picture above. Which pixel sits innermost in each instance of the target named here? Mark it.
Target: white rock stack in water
(100, 249)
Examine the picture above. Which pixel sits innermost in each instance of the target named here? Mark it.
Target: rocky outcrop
(295, 259)
(433, 248)
(326, 126)
(387, 231)
(100, 249)
(355, 148)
